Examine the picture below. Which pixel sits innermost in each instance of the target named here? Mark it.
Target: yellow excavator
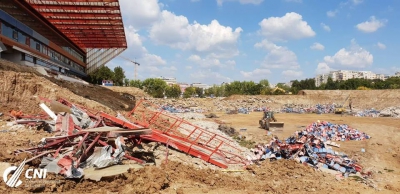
(340, 108)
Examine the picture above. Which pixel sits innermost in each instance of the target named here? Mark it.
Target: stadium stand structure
(74, 37)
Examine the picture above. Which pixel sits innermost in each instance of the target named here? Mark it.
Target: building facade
(61, 36)
(169, 81)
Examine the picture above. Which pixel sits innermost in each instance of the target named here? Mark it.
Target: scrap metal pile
(85, 138)
(313, 146)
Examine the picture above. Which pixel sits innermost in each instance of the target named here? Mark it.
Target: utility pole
(134, 63)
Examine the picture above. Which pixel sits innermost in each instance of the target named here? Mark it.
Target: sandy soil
(22, 84)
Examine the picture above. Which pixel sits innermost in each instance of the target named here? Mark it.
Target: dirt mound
(138, 93)
(21, 84)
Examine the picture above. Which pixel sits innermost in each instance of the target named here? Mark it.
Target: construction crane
(134, 63)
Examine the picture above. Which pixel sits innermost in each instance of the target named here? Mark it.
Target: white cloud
(353, 57)
(140, 52)
(177, 32)
(381, 45)
(356, 2)
(278, 56)
(256, 74)
(323, 68)
(255, 2)
(325, 27)
(188, 67)
(317, 46)
(289, 26)
(139, 13)
(210, 62)
(209, 77)
(371, 25)
(332, 14)
(292, 74)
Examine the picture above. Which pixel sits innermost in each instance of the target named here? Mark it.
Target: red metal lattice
(189, 138)
(88, 23)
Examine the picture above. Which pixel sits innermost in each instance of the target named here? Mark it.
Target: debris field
(131, 145)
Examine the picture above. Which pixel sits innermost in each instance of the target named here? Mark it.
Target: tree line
(160, 89)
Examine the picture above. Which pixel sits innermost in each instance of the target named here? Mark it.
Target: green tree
(173, 91)
(330, 84)
(199, 92)
(155, 87)
(136, 83)
(126, 82)
(189, 92)
(103, 73)
(119, 75)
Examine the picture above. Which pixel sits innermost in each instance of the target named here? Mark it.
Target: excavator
(340, 108)
(268, 120)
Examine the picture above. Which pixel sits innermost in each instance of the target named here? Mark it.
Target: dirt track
(381, 157)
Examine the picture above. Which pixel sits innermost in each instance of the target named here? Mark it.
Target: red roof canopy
(88, 23)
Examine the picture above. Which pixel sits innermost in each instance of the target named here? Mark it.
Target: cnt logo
(14, 180)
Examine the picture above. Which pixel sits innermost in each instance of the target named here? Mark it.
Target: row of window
(31, 42)
(74, 53)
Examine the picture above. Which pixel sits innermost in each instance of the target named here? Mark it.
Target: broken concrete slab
(97, 174)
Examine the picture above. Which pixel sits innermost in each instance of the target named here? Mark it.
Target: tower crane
(134, 63)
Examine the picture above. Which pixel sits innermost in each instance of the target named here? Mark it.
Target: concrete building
(343, 75)
(320, 79)
(199, 85)
(61, 36)
(169, 81)
(183, 86)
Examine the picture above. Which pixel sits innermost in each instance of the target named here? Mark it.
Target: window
(37, 46)
(15, 35)
(28, 41)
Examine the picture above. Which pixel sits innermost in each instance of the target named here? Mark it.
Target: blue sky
(215, 41)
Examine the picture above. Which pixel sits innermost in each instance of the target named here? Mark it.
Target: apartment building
(343, 75)
(199, 85)
(169, 81)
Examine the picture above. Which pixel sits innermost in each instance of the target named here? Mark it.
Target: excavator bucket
(276, 124)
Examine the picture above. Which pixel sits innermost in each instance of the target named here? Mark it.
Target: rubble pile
(85, 139)
(313, 146)
(301, 108)
(393, 111)
(367, 113)
(244, 106)
(82, 138)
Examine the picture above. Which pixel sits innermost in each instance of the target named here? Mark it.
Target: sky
(216, 41)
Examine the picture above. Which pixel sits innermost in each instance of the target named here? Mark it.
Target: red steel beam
(41, 7)
(77, 24)
(83, 20)
(71, 1)
(92, 31)
(82, 27)
(82, 15)
(98, 39)
(96, 36)
(102, 45)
